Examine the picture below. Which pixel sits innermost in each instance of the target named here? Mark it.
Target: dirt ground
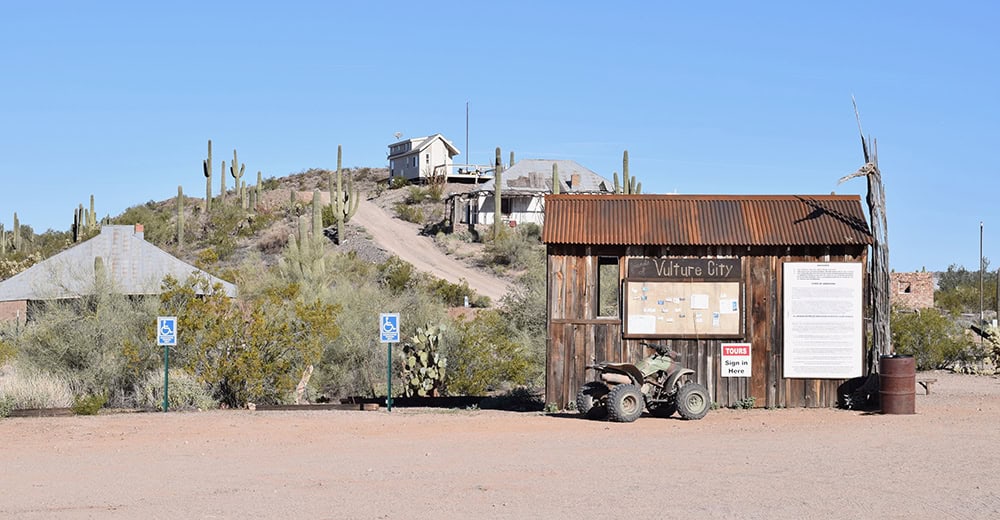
(426, 463)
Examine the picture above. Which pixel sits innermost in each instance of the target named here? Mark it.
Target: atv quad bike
(658, 383)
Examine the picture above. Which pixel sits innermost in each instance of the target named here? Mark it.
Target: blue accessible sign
(166, 331)
(388, 327)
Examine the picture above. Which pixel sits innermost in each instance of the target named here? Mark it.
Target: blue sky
(119, 99)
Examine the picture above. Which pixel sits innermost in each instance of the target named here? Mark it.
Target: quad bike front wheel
(590, 400)
(692, 401)
(625, 403)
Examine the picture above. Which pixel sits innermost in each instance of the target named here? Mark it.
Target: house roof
(535, 176)
(135, 266)
(702, 220)
(418, 144)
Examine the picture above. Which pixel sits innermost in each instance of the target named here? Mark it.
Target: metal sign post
(166, 337)
(388, 329)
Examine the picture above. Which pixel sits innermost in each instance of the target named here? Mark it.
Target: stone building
(911, 291)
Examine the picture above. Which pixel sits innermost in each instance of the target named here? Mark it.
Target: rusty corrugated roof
(705, 220)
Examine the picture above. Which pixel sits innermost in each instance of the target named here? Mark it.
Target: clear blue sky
(119, 99)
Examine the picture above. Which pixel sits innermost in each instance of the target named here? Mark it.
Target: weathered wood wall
(577, 337)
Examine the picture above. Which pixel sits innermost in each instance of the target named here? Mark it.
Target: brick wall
(911, 290)
(11, 310)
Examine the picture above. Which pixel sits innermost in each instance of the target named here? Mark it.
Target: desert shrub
(414, 214)
(156, 222)
(17, 262)
(329, 216)
(417, 195)
(270, 183)
(354, 363)
(89, 404)
(933, 338)
(100, 343)
(27, 390)
(452, 294)
(248, 351)
(397, 182)
(274, 240)
(6, 406)
(435, 192)
(206, 258)
(396, 274)
(482, 356)
(513, 250)
(531, 231)
(185, 392)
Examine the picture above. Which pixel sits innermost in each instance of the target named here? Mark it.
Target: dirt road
(423, 463)
(403, 239)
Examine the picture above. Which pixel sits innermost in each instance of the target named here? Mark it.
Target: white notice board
(823, 326)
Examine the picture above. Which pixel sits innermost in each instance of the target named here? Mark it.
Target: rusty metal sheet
(705, 220)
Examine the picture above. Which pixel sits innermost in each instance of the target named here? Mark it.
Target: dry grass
(28, 390)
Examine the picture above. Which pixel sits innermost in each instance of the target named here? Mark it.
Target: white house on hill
(522, 195)
(421, 157)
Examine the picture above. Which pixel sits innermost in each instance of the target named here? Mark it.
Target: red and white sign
(736, 360)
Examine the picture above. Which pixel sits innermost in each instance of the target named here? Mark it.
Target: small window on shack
(608, 286)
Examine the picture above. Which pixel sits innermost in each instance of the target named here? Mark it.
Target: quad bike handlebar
(661, 349)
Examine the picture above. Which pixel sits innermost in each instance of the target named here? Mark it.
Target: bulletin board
(679, 309)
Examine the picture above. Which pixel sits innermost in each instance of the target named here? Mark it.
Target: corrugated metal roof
(535, 176)
(705, 220)
(135, 266)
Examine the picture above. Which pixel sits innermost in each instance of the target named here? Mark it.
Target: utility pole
(981, 318)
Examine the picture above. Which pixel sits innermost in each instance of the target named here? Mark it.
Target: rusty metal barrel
(897, 382)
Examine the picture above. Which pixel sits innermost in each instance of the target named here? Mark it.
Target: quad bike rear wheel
(590, 400)
(692, 401)
(625, 403)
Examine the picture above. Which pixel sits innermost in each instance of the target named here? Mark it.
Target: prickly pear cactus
(423, 364)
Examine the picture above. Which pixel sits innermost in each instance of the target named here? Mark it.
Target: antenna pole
(467, 151)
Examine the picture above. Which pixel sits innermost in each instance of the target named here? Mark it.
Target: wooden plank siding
(577, 337)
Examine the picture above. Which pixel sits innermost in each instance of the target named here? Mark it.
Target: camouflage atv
(658, 383)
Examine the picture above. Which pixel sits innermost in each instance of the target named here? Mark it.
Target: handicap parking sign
(166, 331)
(388, 327)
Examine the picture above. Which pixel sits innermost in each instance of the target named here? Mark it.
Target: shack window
(608, 286)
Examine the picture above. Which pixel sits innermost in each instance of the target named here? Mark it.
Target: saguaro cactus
(511, 163)
(317, 214)
(497, 193)
(3, 240)
(222, 183)
(206, 165)
(629, 185)
(180, 218)
(555, 178)
(17, 233)
(345, 199)
(259, 188)
(237, 174)
(91, 215)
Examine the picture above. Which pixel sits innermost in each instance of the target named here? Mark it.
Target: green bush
(484, 357)
(89, 404)
(934, 339)
(158, 228)
(397, 182)
(414, 214)
(6, 406)
(453, 294)
(396, 274)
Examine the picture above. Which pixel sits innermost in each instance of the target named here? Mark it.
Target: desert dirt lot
(942, 462)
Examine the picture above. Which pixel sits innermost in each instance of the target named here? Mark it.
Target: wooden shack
(778, 280)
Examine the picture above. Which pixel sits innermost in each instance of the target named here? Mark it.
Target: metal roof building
(781, 275)
(135, 266)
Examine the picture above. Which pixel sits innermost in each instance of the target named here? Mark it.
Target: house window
(505, 206)
(905, 288)
(608, 286)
